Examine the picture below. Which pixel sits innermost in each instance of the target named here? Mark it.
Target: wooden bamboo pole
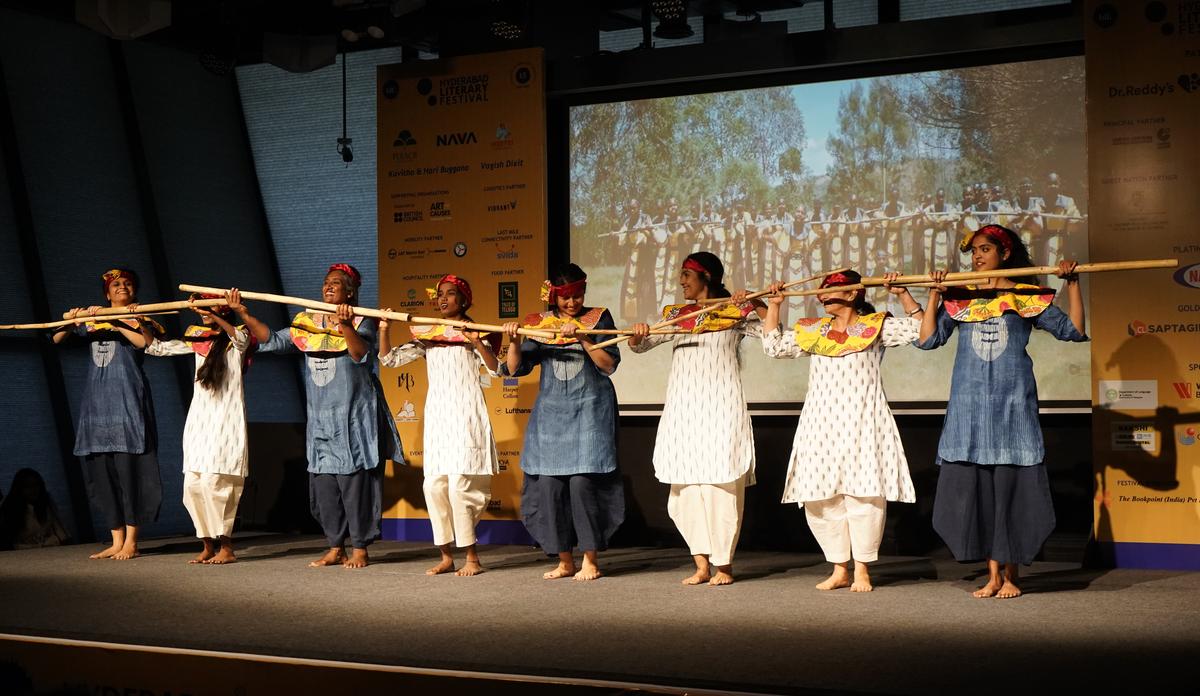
(763, 293)
(82, 319)
(860, 286)
(365, 311)
(713, 304)
(1030, 270)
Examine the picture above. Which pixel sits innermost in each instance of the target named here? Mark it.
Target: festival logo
(1187, 437)
(454, 91)
(522, 75)
(1189, 276)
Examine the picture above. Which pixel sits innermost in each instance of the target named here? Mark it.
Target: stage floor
(770, 632)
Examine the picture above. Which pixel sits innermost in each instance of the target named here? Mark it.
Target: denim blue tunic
(116, 413)
(573, 427)
(349, 428)
(992, 416)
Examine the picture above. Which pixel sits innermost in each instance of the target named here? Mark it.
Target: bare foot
(698, 578)
(205, 554)
(445, 566)
(1008, 590)
(358, 559)
(223, 557)
(723, 576)
(127, 552)
(862, 579)
(106, 553)
(562, 570)
(839, 578)
(334, 556)
(470, 567)
(988, 590)
(589, 571)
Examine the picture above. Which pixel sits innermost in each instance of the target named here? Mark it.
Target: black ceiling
(234, 29)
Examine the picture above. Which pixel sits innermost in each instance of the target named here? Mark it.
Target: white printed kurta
(846, 441)
(458, 434)
(214, 437)
(704, 435)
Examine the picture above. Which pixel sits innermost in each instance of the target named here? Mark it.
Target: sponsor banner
(1144, 171)
(1128, 394)
(1140, 437)
(461, 189)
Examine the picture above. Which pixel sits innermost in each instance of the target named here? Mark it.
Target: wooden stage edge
(68, 666)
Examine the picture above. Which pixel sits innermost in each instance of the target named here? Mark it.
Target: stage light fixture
(672, 19)
(343, 148)
(375, 32)
(343, 143)
(349, 35)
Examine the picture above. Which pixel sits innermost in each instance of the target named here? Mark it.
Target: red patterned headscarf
(222, 310)
(109, 276)
(464, 288)
(1002, 235)
(551, 291)
(833, 280)
(350, 271)
(694, 265)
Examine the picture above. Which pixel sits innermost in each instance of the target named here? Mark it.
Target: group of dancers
(847, 461)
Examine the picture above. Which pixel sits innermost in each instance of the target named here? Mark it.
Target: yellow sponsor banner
(1143, 92)
(462, 161)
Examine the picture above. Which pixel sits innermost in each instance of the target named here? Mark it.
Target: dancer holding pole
(571, 494)
(704, 448)
(460, 450)
(117, 436)
(847, 459)
(350, 434)
(993, 495)
(215, 451)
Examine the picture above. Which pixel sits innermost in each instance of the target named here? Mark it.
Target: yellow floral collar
(311, 337)
(713, 320)
(548, 320)
(972, 304)
(135, 323)
(440, 333)
(817, 336)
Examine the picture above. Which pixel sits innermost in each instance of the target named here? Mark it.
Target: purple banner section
(1126, 554)
(510, 532)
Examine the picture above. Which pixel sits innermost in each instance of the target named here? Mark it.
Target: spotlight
(343, 148)
(672, 19)
(350, 35)
(374, 32)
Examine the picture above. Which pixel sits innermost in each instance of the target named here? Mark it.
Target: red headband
(109, 276)
(834, 279)
(578, 287)
(351, 271)
(1001, 234)
(223, 310)
(694, 265)
(464, 288)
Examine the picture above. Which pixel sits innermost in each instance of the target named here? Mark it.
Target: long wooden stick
(764, 293)
(82, 319)
(365, 311)
(716, 304)
(1031, 270)
(860, 286)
